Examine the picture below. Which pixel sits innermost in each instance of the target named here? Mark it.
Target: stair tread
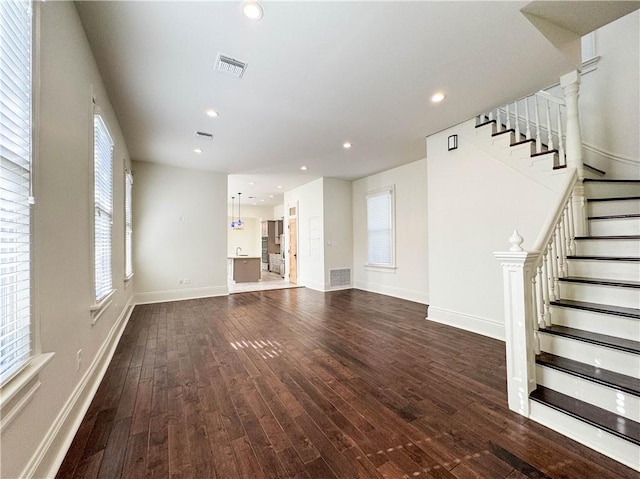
(609, 180)
(598, 308)
(600, 281)
(501, 132)
(484, 123)
(613, 342)
(606, 258)
(605, 377)
(613, 237)
(615, 198)
(598, 417)
(546, 152)
(614, 217)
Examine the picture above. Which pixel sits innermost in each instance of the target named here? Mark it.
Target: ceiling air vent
(230, 65)
(203, 135)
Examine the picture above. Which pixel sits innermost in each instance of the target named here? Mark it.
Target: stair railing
(531, 278)
(552, 123)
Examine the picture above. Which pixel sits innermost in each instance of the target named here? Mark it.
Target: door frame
(293, 204)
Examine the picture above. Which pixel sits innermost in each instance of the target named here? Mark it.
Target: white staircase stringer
(595, 438)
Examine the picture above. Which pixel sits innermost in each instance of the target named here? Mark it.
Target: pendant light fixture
(239, 223)
(233, 224)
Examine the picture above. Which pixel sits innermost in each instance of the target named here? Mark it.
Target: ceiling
(319, 74)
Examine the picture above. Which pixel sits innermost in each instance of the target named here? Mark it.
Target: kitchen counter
(243, 269)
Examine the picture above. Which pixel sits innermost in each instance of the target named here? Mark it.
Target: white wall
(278, 212)
(409, 280)
(338, 227)
(180, 227)
(35, 441)
(610, 98)
(310, 249)
(475, 203)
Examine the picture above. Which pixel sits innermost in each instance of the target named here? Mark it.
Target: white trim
(313, 285)
(180, 294)
(475, 324)
(610, 155)
(416, 296)
(382, 268)
(26, 375)
(51, 451)
(605, 443)
(7, 417)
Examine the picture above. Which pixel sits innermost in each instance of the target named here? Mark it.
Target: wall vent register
(339, 277)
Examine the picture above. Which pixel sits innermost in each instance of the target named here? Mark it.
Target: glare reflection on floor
(267, 348)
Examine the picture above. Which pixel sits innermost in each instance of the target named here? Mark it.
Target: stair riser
(622, 270)
(595, 293)
(622, 207)
(607, 190)
(615, 401)
(617, 448)
(619, 326)
(607, 247)
(606, 358)
(614, 226)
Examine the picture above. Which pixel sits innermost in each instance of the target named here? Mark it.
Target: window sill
(99, 308)
(17, 393)
(127, 280)
(381, 267)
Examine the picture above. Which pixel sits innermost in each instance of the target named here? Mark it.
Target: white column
(571, 87)
(517, 268)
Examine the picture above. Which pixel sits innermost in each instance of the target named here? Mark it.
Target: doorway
(293, 243)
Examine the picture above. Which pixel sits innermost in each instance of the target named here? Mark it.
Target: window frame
(100, 303)
(128, 224)
(390, 192)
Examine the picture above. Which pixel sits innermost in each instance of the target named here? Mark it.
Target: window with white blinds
(15, 186)
(380, 228)
(103, 208)
(128, 225)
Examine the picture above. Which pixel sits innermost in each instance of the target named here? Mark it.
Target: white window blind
(103, 214)
(128, 227)
(380, 226)
(15, 186)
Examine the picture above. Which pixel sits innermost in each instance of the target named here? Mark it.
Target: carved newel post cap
(516, 240)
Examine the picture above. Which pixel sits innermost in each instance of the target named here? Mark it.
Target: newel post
(517, 271)
(571, 87)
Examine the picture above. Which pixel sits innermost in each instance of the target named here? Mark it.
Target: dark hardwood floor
(296, 383)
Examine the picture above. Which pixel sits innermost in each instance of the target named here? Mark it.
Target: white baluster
(491, 115)
(527, 120)
(549, 127)
(517, 122)
(538, 132)
(554, 265)
(534, 312)
(567, 228)
(498, 120)
(572, 233)
(540, 298)
(560, 248)
(508, 123)
(561, 157)
(546, 287)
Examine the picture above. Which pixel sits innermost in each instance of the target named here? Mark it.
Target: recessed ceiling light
(252, 10)
(270, 196)
(262, 200)
(279, 187)
(303, 168)
(197, 150)
(212, 113)
(251, 183)
(254, 204)
(346, 145)
(437, 97)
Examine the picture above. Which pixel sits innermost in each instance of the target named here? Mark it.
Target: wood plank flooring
(299, 384)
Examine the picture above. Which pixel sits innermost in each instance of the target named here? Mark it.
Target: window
(103, 208)
(380, 228)
(15, 187)
(128, 225)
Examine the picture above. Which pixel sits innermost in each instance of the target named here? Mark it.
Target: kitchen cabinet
(243, 269)
(271, 235)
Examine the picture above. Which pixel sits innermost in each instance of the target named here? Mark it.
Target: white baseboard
(611, 446)
(179, 294)
(475, 324)
(416, 296)
(49, 455)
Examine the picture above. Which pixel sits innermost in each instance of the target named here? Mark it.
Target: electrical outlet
(181, 281)
(186, 281)
(78, 359)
